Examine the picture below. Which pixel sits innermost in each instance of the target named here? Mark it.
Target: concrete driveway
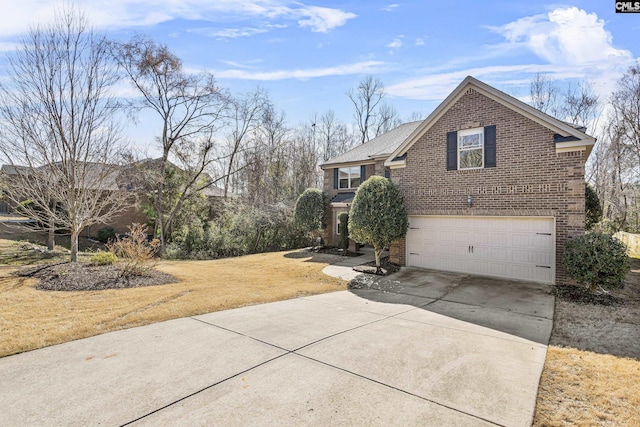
(431, 354)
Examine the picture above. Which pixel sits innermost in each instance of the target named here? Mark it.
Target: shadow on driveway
(524, 309)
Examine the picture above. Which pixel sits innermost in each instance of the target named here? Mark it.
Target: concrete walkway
(344, 269)
(331, 359)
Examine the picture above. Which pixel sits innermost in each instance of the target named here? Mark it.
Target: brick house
(127, 179)
(492, 186)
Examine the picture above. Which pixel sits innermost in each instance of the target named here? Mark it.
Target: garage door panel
(514, 248)
(542, 241)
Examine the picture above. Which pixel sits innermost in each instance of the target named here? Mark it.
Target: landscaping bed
(332, 250)
(386, 267)
(78, 276)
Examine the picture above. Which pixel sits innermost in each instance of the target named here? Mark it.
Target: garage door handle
(544, 234)
(414, 228)
(543, 266)
(413, 253)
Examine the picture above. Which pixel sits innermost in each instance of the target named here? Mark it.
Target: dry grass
(32, 319)
(581, 388)
(591, 375)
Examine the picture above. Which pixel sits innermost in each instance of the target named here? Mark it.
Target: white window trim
(350, 185)
(466, 132)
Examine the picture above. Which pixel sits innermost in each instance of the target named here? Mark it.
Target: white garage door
(514, 248)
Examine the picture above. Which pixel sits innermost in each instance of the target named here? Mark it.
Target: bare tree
(365, 99)
(386, 119)
(625, 102)
(58, 131)
(544, 94)
(616, 165)
(334, 136)
(190, 107)
(245, 112)
(580, 105)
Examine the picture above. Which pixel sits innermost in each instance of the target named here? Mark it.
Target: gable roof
(567, 136)
(379, 147)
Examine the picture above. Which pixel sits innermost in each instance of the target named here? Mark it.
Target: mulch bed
(86, 277)
(370, 267)
(332, 250)
(581, 295)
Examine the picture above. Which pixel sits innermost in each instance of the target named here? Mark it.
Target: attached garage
(521, 248)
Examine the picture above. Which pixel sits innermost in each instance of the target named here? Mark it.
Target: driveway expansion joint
(401, 390)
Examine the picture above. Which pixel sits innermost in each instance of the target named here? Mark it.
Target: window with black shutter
(471, 148)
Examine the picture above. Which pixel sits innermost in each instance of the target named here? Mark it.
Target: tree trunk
(377, 251)
(74, 246)
(51, 236)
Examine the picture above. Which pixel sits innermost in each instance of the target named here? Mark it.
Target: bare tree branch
(59, 133)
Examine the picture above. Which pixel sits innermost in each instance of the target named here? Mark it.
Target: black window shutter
(490, 146)
(452, 151)
(335, 178)
(387, 173)
(363, 173)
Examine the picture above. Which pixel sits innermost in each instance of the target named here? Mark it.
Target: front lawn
(34, 318)
(592, 370)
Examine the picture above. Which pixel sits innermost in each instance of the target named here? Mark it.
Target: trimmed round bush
(596, 260)
(103, 258)
(106, 233)
(378, 215)
(309, 211)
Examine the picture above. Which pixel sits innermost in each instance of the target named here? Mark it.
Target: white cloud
(16, 17)
(233, 33)
(302, 74)
(419, 42)
(229, 33)
(570, 43)
(395, 43)
(390, 8)
(436, 86)
(248, 65)
(565, 36)
(8, 46)
(323, 19)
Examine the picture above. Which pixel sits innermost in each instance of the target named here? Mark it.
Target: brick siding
(530, 178)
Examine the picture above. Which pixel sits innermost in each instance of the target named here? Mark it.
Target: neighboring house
(492, 186)
(128, 178)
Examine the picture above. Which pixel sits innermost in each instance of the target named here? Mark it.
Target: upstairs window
(471, 149)
(349, 177)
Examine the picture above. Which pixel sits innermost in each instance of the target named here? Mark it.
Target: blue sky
(307, 54)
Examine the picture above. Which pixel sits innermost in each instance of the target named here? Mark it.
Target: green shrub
(596, 260)
(105, 234)
(343, 228)
(593, 210)
(309, 211)
(378, 215)
(103, 258)
(239, 229)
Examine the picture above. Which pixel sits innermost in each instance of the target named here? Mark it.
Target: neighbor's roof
(380, 146)
(565, 132)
